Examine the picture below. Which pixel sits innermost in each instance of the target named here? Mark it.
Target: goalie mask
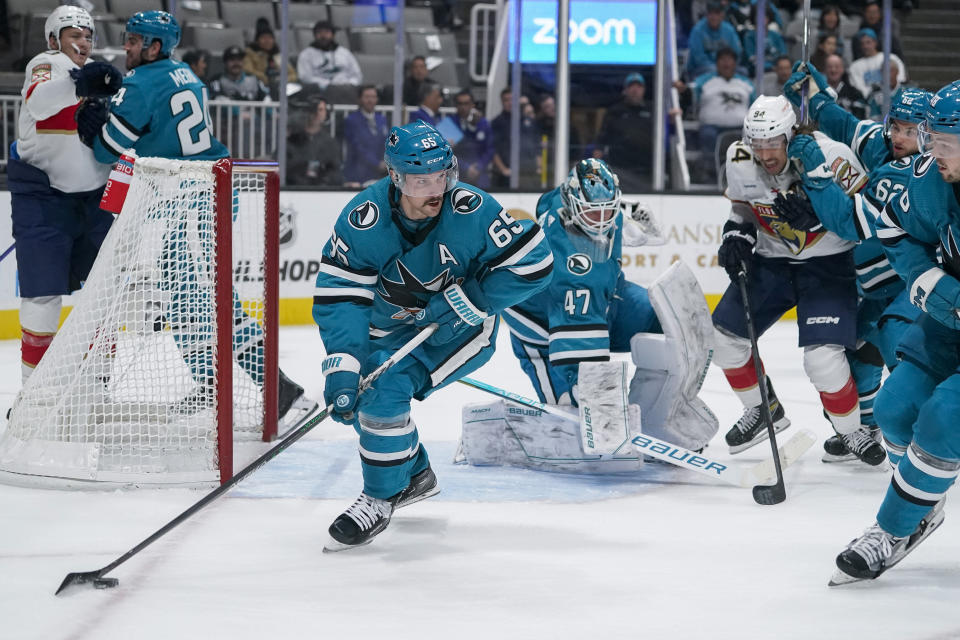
(591, 204)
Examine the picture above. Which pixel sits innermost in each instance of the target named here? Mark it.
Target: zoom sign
(600, 32)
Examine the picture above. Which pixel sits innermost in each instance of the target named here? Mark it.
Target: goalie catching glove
(96, 80)
(91, 115)
(639, 226)
(454, 311)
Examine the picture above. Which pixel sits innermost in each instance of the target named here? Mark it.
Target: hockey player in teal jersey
(161, 111)
(161, 108)
(919, 401)
(413, 249)
(887, 152)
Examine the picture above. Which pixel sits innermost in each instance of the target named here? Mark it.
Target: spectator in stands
(472, 140)
(774, 46)
(783, 67)
(875, 110)
(234, 83)
(546, 109)
(721, 99)
(873, 19)
(742, 15)
(417, 74)
(829, 25)
(431, 97)
(198, 60)
(708, 36)
(626, 136)
(325, 62)
(262, 59)
(868, 70)
(826, 47)
(847, 96)
(313, 156)
(529, 178)
(364, 134)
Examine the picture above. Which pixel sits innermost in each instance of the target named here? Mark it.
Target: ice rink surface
(500, 553)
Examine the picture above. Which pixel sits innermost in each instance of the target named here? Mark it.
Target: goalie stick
(731, 473)
(97, 577)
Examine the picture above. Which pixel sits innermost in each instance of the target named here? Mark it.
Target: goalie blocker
(662, 399)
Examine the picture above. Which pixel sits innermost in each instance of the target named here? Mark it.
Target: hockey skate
(422, 486)
(750, 428)
(867, 447)
(359, 524)
(293, 407)
(868, 556)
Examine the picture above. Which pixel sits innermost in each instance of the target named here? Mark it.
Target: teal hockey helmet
(591, 198)
(939, 133)
(420, 160)
(155, 25)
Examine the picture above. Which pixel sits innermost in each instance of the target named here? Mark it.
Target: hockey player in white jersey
(563, 337)
(55, 182)
(785, 267)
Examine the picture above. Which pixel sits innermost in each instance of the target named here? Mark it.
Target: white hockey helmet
(767, 118)
(63, 17)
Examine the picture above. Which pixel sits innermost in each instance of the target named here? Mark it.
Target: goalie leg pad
(503, 434)
(671, 367)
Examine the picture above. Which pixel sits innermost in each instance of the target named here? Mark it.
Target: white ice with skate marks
(666, 555)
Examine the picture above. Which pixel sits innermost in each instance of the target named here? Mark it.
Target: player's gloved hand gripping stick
(97, 577)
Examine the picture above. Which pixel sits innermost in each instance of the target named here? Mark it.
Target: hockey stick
(777, 492)
(731, 473)
(97, 577)
(805, 55)
(9, 250)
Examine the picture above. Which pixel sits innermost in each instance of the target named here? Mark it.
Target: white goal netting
(137, 380)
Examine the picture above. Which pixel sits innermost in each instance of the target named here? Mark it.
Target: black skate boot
(835, 449)
(359, 524)
(862, 444)
(750, 429)
(422, 486)
(293, 407)
(868, 556)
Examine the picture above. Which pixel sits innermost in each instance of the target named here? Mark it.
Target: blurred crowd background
(340, 79)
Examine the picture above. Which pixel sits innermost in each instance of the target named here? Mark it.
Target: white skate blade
(829, 458)
(839, 578)
(762, 437)
(332, 546)
(301, 410)
(790, 451)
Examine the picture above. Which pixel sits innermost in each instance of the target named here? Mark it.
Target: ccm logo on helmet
(823, 320)
(579, 264)
(465, 201)
(364, 216)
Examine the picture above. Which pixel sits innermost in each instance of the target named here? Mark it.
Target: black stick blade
(83, 577)
(770, 494)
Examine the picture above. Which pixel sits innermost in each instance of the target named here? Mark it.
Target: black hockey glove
(96, 80)
(796, 210)
(739, 238)
(91, 116)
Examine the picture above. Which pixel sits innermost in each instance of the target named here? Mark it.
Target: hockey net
(169, 353)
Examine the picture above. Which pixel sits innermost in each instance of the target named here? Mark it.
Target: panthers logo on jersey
(364, 216)
(465, 201)
(579, 264)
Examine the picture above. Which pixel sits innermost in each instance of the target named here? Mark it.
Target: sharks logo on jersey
(465, 201)
(410, 294)
(364, 216)
(579, 264)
